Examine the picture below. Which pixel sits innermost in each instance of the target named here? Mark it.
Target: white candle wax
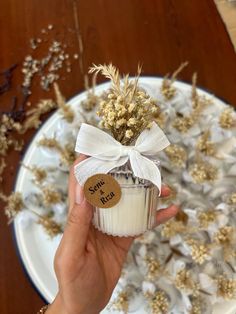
(135, 212)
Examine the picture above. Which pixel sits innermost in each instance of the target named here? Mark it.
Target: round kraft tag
(102, 190)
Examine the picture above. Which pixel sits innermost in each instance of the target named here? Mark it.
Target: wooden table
(159, 34)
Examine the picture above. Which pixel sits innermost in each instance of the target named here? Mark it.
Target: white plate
(36, 249)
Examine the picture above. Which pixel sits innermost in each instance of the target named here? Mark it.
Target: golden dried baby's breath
(153, 267)
(42, 107)
(90, 102)
(15, 205)
(225, 235)
(199, 251)
(184, 281)
(205, 146)
(226, 119)
(199, 102)
(226, 288)
(196, 306)
(177, 155)
(50, 143)
(39, 174)
(7, 141)
(206, 217)
(231, 200)
(33, 116)
(125, 109)
(159, 303)
(51, 227)
(183, 124)
(202, 171)
(4, 144)
(172, 227)
(121, 302)
(167, 88)
(66, 110)
(51, 196)
(67, 153)
(18, 145)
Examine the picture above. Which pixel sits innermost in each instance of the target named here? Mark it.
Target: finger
(165, 191)
(165, 214)
(73, 183)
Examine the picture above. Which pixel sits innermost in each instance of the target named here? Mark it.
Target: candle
(135, 212)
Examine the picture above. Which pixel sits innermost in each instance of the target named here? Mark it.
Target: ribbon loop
(107, 153)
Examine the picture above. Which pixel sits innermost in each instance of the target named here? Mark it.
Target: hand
(88, 263)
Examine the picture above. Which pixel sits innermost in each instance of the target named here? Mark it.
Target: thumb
(78, 225)
(79, 219)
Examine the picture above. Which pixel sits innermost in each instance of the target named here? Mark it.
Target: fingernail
(79, 194)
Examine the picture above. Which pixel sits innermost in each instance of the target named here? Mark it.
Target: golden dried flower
(66, 110)
(160, 119)
(183, 124)
(226, 288)
(51, 227)
(225, 235)
(39, 174)
(31, 122)
(203, 171)
(159, 303)
(184, 281)
(50, 196)
(226, 119)
(196, 306)
(18, 145)
(167, 88)
(177, 155)
(50, 143)
(8, 125)
(15, 205)
(67, 153)
(232, 199)
(43, 106)
(129, 134)
(90, 102)
(4, 144)
(121, 303)
(125, 109)
(198, 102)
(153, 268)
(172, 227)
(33, 116)
(199, 251)
(205, 146)
(206, 217)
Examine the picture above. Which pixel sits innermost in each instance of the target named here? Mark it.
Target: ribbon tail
(92, 166)
(144, 168)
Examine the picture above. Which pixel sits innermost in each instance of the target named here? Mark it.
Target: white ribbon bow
(107, 153)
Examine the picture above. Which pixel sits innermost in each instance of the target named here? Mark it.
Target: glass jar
(135, 212)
